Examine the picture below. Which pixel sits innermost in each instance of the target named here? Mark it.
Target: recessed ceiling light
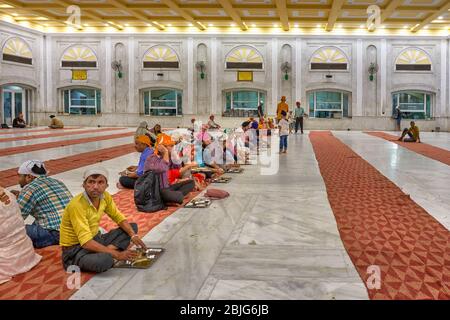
(233, 24)
(253, 25)
(319, 26)
(106, 25)
(383, 27)
(296, 25)
(426, 27)
(275, 25)
(405, 27)
(361, 26)
(339, 25)
(210, 25)
(86, 25)
(14, 14)
(126, 25)
(441, 17)
(190, 24)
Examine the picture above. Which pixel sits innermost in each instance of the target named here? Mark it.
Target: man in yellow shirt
(282, 106)
(81, 242)
(412, 132)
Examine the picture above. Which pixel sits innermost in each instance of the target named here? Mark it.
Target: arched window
(161, 57)
(328, 104)
(82, 101)
(79, 56)
(329, 58)
(17, 50)
(413, 59)
(243, 102)
(163, 102)
(413, 104)
(244, 57)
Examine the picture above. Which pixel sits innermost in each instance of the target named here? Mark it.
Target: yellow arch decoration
(161, 53)
(329, 55)
(413, 56)
(17, 47)
(79, 53)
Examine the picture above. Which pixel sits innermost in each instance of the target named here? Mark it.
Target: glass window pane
(245, 100)
(99, 101)
(311, 104)
(428, 106)
(179, 103)
(163, 112)
(345, 106)
(228, 101)
(326, 100)
(17, 103)
(147, 102)
(66, 101)
(82, 97)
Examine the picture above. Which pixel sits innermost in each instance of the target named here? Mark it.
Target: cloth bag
(16, 249)
(216, 194)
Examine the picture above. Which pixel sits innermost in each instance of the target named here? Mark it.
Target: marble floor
(275, 237)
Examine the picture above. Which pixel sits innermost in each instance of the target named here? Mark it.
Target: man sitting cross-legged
(412, 132)
(128, 177)
(44, 198)
(82, 243)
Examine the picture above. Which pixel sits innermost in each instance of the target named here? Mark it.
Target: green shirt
(299, 112)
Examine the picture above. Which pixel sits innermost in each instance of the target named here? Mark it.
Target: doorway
(14, 100)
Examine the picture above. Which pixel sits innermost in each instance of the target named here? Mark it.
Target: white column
(383, 78)
(190, 77)
(49, 68)
(448, 82)
(216, 107)
(443, 95)
(108, 89)
(42, 69)
(131, 94)
(298, 71)
(359, 78)
(273, 107)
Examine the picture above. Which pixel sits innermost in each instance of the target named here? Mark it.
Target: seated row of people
(74, 222)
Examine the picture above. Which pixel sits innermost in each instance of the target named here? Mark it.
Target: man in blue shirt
(128, 177)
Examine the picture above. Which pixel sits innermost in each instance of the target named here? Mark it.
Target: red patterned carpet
(424, 149)
(47, 281)
(57, 134)
(9, 177)
(380, 225)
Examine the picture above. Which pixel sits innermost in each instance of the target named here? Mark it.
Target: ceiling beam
(172, 5)
(432, 17)
(390, 8)
(282, 12)
(228, 7)
(40, 13)
(139, 16)
(333, 15)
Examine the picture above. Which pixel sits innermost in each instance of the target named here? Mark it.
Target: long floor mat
(48, 280)
(58, 144)
(424, 149)
(57, 134)
(381, 227)
(9, 178)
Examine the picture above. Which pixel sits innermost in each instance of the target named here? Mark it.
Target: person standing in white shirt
(283, 125)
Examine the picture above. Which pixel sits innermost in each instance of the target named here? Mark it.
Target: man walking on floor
(299, 113)
(81, 242)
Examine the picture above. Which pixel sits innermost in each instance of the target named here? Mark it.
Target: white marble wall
(370, 104)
